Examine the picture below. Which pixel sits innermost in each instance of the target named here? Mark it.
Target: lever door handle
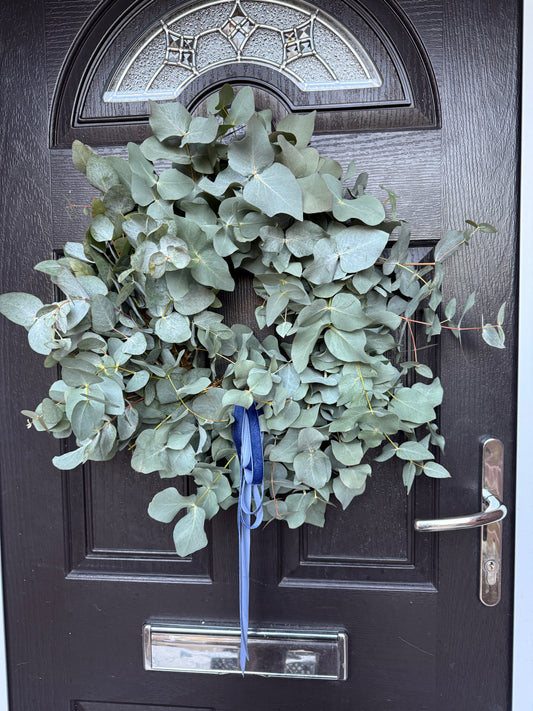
(488, 519)
(495, 511)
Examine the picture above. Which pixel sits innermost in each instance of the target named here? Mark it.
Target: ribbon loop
(249, 445)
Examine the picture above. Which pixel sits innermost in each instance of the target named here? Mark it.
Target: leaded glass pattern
(299, 41)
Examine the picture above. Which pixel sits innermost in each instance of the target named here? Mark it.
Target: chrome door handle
(495, 511)
(488, 519)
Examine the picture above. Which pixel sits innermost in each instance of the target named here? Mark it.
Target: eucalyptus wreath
(148, 364)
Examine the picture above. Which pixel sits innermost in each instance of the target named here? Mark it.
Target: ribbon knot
(249, 445)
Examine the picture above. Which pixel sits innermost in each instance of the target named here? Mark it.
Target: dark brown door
(84, 566)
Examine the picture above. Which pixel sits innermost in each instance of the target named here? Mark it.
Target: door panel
(85, 567)
(109, 532)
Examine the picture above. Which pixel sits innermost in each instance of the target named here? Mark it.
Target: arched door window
(360, 65)
(299, 41)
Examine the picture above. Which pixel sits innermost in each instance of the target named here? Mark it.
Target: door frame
(523, 610)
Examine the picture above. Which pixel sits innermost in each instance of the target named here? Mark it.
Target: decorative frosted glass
(300, 41)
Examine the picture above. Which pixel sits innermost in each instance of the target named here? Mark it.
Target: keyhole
(491, 571)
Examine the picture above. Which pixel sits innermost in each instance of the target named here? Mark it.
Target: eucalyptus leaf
(20, 308)
(493, 335)
(348, 453)
(310, 439)
(316, 196)
(201, 130)
(254, 152)
(100, 173)
(355, 477)
(209, 269)
(312, 467)
(359, 247)
(70, 460)
(137, 381)
(103, 313)
(448, 244)
(300, 126)
(173, 185)
(346, 345)
(413, 451)
(167, 503)
(365, 208)
(86, 418)
(345, 494)
(189, 534)
(173, 328)
(304, 343)
(275, 190)
(286, 448)
(417, 404)
(242, 108)
(80, 155)
(435, 470)
(347, 313)
(408, 475)
(135, 344)
(325, 261)
(169, 120)
(140, 166)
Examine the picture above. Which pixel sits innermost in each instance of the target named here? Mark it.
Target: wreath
(148, 364)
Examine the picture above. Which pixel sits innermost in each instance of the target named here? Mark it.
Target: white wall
(3, 666)
(523, 647)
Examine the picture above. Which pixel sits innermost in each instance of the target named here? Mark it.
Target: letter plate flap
(278, 653)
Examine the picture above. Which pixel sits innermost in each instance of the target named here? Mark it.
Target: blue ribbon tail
(249, 446)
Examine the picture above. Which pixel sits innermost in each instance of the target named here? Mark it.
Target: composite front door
(429, 108)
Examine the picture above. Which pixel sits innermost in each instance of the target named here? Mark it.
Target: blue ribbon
(249, 445)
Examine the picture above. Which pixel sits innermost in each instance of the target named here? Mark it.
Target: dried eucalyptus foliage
(148, 364)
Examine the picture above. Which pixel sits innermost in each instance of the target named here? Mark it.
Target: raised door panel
(371, 545)
(108, 532)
